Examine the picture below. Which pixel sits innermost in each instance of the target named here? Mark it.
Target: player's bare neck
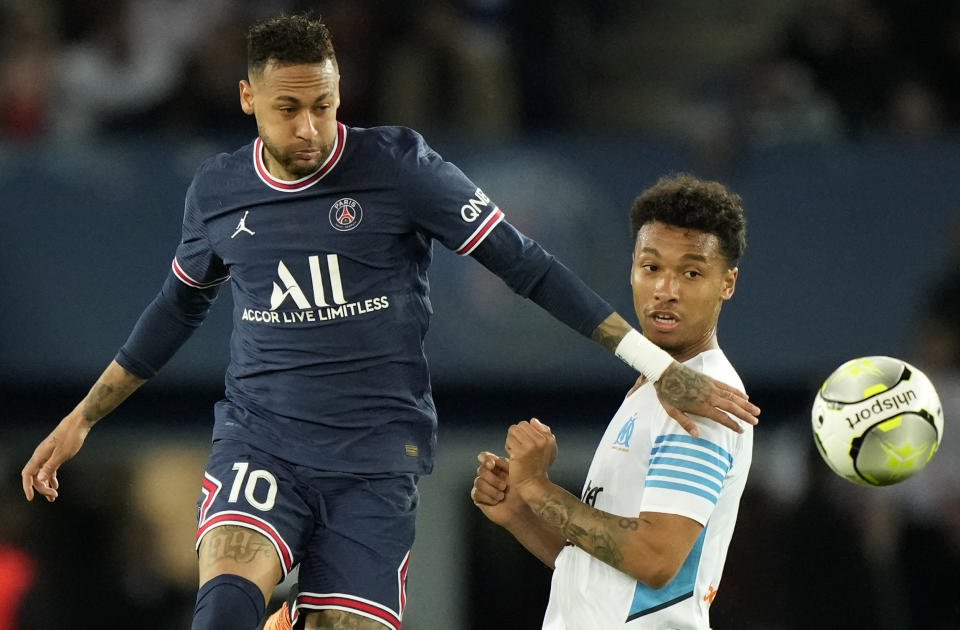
(275, 169)
(685, 354)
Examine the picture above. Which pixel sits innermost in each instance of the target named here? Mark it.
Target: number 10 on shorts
(250, 487)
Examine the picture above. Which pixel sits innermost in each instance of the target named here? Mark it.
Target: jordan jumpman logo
(242, 226)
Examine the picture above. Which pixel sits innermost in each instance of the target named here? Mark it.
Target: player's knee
(228, 602)
(340, 620)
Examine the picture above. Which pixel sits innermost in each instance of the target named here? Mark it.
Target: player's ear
(729, 283)
(246, 97)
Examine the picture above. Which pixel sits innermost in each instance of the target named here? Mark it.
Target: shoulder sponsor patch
(475, 207)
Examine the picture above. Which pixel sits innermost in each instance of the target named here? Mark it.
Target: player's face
(680, 279)
(296, 111)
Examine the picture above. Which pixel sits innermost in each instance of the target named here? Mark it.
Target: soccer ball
(877, 421)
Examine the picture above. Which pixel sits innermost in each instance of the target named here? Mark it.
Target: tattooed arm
(680, 389)
(650, 548)
(111, 389)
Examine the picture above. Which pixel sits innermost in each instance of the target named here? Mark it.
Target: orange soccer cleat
(279, 620)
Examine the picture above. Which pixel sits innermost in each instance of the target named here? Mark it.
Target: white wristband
(643, 355)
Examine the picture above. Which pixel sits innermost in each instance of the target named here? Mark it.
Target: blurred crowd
(83, 69)
(722, 75)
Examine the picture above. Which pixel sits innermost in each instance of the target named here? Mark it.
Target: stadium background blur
(837, 121)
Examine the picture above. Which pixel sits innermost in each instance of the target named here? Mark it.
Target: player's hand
(492, 480)
(40, 473)
(682, 390)
(532, 448)
(491, 490)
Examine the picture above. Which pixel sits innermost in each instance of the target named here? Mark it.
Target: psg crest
(345, 214)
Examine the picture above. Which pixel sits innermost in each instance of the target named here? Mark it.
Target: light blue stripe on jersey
(683, 438)
(676, 474)
(648, 600)
(686, 463)
(669, 485)
(689, 452)
(694, 480)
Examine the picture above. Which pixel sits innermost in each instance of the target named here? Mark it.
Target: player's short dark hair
(687, 202)
(288, 40)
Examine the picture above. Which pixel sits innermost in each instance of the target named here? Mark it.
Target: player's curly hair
(289, 39)
(685, 201)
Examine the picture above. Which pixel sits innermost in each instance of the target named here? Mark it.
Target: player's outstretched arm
(40, 473)
(533, 273)
(680, 389)
(491, 493)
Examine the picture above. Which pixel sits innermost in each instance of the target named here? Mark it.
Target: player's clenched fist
(491, 491)
(532, 448)
(490, 484)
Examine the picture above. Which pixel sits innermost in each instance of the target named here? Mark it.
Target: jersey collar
(304, 182)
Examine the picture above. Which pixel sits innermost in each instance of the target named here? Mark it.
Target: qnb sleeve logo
(472, 210)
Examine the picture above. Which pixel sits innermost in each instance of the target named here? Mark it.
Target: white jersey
(647, 463)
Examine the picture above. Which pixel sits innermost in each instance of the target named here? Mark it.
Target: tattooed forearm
(554, 513)
(234, 543)
(680, 386)
(601, 543)
(648, 547)
(111, 389)
(590, 529)
(98, 402)
(610, 331)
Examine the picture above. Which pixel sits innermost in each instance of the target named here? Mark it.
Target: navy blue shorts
(350, 534)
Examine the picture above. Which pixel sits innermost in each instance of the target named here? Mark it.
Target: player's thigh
(340, 620)
(253, 520)
(236, 550)
(359, 554)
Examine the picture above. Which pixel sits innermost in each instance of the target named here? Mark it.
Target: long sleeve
(536, 274)
(167, 322)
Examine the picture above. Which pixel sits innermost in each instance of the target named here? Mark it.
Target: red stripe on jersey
(185, 278)
(309, 180)
(211, 487)
(239, 518)
(404, 567)
(485, 228)
(343, 601)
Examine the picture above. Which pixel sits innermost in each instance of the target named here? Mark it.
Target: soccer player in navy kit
(325, 232)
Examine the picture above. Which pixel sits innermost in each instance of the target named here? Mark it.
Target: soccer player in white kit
(645, 544)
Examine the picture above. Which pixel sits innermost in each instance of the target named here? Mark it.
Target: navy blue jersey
(330, 294)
